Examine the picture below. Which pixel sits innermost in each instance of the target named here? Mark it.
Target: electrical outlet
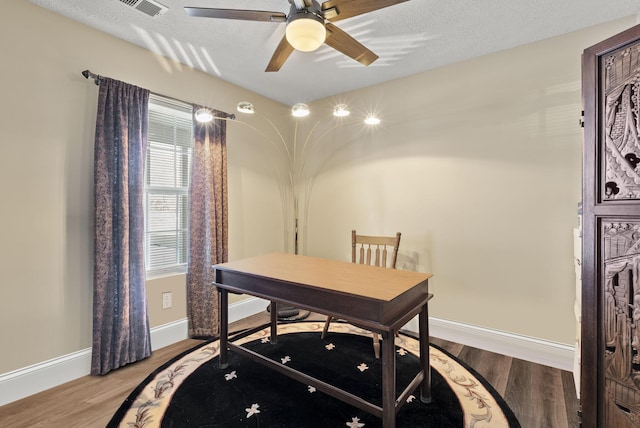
(166, 300)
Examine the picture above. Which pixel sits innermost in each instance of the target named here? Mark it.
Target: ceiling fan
(309, 25)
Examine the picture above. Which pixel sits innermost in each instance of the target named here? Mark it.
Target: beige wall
(478, 164)
(46, 256)
(176, 285)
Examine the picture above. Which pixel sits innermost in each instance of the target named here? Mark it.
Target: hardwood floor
(540, 396)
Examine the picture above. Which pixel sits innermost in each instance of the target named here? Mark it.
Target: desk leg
(223, 301)
(388, 379)
(274, 322)
(425, 365)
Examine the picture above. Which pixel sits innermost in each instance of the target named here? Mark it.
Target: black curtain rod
(96, 78)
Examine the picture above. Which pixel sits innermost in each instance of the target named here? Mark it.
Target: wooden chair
(381, 251)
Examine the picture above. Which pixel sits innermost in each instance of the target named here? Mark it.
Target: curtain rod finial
(87, 75)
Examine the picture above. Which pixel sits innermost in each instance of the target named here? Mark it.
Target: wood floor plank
(536, 395)
(89, 401)
(452, 348)
(493, 367)
(570, 399)
(519, 392)
(539, 396)
(553, 406)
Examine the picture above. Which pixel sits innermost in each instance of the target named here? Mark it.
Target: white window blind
(168, 162)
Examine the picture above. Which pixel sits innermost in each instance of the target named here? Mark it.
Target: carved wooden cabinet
(610, 375)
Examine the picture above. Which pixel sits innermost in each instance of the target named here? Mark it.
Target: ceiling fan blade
(343, 42)
(245, 15)
(301, 4)
(336, 10)
(281, 54)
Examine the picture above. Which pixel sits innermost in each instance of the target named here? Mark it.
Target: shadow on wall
(414, 261)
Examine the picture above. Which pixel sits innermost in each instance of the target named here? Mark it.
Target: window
(168, 162)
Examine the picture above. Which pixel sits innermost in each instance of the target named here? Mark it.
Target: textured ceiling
(410, 37)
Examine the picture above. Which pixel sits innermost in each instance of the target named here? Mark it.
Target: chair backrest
(380, 246)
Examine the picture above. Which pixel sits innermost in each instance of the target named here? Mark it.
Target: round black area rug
(192, 391)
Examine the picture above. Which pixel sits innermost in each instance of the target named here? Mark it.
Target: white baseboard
(553, 354)
(167, 334)
(30, 380)
(246, 308)
(39, 377)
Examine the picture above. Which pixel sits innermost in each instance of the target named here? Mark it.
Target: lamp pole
(297, 168)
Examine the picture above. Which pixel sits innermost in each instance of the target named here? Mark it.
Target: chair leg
(326, 327)
(376, 337)
(376, 345)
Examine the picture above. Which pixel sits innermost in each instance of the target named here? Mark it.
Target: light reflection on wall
(168, 50)
(183, 53)
(196, 56)
(193, 56)
(540, 116)
(154, 48)
(389, 49)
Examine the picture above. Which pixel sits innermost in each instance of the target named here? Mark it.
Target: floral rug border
(479, 406)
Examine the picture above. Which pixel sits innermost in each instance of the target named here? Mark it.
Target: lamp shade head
(203, 115)
(305, 31)
(372, 120)
(300, 110)
(246, 107)
(341, 110)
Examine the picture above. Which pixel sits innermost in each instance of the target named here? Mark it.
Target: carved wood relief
(622, 315)
(621, 239)
(621, 124)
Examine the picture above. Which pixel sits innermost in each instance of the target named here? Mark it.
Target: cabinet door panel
(621, 319)
(610, 360)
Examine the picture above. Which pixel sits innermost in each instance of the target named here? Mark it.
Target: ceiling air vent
(148, 7)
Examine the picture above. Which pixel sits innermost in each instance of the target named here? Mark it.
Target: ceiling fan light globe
(306, 33)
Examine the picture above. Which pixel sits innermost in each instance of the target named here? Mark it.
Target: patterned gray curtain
(208, 224)
(120, 321)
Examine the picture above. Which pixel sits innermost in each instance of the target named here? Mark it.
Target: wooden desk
(378, 299)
